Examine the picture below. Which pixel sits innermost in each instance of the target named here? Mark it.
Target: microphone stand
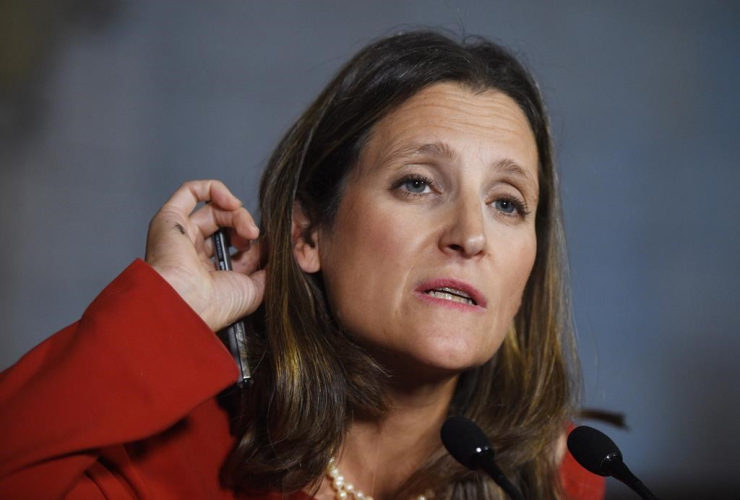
(618, 470)
(486, 462)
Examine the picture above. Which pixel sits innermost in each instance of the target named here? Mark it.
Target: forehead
(450, 116)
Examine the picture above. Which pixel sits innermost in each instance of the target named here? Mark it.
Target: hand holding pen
(180, 248)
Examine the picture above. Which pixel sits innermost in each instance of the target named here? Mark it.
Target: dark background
(107, 106)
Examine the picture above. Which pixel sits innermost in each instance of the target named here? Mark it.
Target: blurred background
(107, 106)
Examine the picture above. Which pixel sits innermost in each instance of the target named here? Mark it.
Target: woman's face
(434, 239)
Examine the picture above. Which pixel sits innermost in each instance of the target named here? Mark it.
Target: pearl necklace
(347, 490)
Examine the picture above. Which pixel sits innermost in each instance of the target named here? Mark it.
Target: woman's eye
(505, 206)
(416, 186)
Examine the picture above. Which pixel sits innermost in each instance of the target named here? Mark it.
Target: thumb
(238, 296)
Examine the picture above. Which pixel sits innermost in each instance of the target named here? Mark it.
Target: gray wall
(120, 102)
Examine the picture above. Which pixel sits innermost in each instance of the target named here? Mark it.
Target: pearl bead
(345, 490)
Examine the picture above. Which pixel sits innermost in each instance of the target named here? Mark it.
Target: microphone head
(465, 441)
(593, 450)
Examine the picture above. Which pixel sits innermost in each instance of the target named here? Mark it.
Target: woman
(413, 247)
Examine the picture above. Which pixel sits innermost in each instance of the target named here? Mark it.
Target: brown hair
(310, 377)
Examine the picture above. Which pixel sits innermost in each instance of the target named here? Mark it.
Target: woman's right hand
(179, 248)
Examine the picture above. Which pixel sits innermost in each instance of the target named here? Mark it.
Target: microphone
(467, 444)
(598, 454)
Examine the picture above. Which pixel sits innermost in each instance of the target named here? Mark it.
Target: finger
(253, 301)
(208, 247)
(246, 262)
(187, 196)
(207, 263)
(245, 294)
(172, 218)
(240, 243)
(210, 218)
(169, 234)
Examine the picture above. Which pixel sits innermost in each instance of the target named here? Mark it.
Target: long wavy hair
(310, 377)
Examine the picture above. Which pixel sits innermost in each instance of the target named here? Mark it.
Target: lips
(452, 290)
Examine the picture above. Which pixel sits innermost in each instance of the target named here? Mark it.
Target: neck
(379, 455)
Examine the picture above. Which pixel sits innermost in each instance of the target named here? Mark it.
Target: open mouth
(452, 294)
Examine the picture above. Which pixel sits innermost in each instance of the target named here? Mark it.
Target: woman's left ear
(305, 243)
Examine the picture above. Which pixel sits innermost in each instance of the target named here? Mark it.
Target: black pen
(234, 335)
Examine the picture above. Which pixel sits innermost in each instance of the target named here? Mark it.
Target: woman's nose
(465, 233)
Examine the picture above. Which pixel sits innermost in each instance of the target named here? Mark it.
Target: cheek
(365, 257)
(522, 262)
(513, 265)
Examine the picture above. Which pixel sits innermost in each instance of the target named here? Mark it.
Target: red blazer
(122, 404)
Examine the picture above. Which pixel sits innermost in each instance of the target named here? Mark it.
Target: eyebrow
(510, 167)
(435, 149)
(443, 151)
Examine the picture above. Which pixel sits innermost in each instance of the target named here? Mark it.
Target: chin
(457, 362)
(442, 359)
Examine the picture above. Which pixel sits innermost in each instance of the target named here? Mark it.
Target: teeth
(454, 291)
(448, 296)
